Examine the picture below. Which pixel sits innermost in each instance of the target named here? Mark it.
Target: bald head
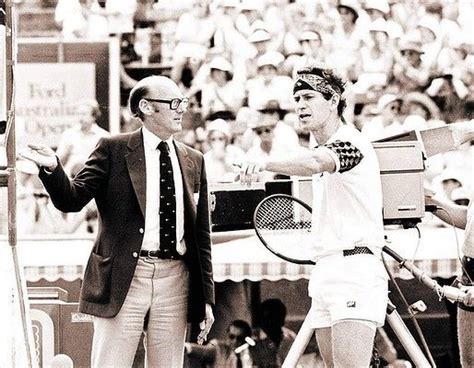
(157, 85)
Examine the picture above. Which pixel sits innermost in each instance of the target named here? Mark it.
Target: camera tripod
(393, 318)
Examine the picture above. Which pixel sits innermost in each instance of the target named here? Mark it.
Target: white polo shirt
(151, 237)
(347, 204)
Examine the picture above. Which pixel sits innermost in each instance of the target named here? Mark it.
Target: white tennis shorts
(351, 287)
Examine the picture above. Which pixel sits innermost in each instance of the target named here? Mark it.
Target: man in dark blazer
(134, 273)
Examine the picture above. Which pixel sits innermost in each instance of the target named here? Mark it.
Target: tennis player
(348, 285)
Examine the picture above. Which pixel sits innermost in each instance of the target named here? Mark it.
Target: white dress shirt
(151, 238)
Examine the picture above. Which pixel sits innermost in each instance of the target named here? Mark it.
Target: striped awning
(241, 256)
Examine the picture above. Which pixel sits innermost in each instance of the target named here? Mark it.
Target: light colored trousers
(160, 288)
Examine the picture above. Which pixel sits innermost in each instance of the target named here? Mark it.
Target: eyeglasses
(260, 131)
(409, 52)
(175, 103)
(235, 337)
(315, 40)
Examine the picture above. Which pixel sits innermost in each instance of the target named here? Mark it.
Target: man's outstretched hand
(41, 155)
(248, 172)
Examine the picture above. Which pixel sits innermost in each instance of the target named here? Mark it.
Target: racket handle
(299, 345)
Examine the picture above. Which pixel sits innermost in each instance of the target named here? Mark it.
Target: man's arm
(303, 163)
(448, 212)
(338, 156)
(203, 234)
(70, 195)
(306, 163)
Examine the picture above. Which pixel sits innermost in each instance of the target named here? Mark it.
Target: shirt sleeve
(347, 155)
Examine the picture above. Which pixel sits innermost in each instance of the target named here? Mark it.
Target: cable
(458, 246)
(417, 243)
(411, 314)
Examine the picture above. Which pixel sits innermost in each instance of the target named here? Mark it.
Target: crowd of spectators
(409, 65)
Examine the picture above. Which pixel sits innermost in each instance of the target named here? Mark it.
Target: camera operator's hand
(41, 155)
(430, 197)
(469, 298)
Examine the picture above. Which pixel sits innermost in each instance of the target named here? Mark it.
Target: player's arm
(337, 156)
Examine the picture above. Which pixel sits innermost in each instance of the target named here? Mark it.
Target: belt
(159, 254)
(355, 251)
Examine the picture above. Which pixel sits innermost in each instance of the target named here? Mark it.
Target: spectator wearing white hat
(260, 40)
(242, 136)
(347, 39)
(409, 72)
(313, 50)
(229, 8)
(449, 93)
(258, 36)
(222, 155)
(448, 16)
(192, 35)
(380, 9)
(387, 120)
(221, 96)
(272, 139)
(455, 57)
(228, 38)
(250, 11)
(286, 136)
(120, 14)
(429, 30)
(376, 59)
(269, 84)
(69, 16)
(417, 103)
(287, 22)
(77, 142)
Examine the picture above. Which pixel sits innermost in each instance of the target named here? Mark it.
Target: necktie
(167, 204)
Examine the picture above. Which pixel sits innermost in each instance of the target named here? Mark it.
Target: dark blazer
(115, 176)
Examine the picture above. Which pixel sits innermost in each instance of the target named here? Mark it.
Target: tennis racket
(283, 225)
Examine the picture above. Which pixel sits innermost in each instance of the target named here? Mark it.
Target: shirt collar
(151, 141)
(332, 138)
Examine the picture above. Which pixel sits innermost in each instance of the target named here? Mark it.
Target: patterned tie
(167, 204)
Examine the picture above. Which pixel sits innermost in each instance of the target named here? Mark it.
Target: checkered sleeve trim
(349, 155)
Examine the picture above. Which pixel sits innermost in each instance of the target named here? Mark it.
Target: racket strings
(283, 224)
(282, 214)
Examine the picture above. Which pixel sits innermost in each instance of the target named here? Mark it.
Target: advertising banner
(46, 98)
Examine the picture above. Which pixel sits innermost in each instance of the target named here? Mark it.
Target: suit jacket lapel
(136, 167)
(187, 172)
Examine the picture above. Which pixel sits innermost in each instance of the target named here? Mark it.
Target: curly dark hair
(336, 82)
